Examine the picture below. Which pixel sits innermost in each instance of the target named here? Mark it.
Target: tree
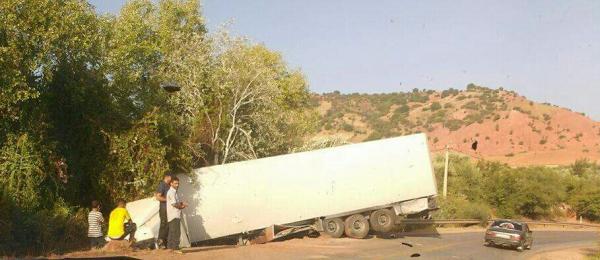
(581, 166)
(239, 99)
(33, 43)
(136, 161)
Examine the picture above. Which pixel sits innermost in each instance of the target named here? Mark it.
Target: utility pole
(445, 191)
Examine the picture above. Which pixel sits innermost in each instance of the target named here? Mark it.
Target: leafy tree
(136, 160)
(581, 167)
(239, 99)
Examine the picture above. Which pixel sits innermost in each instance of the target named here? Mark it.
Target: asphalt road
(442, 246)
(470, 246)
(467, 245)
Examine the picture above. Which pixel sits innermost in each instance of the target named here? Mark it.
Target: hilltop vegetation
(507, 126)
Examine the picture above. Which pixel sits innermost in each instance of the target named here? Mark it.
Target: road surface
(468, 245)
(442, 246)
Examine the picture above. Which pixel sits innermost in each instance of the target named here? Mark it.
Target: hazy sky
(548, 51)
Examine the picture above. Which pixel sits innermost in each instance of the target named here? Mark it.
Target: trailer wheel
(382, 220)
(357, 226)
(334, 227)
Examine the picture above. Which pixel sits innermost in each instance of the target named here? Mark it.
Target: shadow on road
(429, 231)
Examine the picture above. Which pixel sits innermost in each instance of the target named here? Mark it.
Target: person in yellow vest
(120, 224)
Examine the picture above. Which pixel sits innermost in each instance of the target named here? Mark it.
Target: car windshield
(507, 225)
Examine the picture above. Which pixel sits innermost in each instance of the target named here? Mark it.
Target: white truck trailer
(351, 189)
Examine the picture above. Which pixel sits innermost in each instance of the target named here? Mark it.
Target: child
(95, 219)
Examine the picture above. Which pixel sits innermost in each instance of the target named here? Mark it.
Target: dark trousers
(174, 234)
(163, 230)
(130, 229)
(97, 242)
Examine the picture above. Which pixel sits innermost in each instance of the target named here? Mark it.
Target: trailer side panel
(249, 195)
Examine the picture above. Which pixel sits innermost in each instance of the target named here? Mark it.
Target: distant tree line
(486, 189)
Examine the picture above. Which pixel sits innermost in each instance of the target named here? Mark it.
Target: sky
(548, 51)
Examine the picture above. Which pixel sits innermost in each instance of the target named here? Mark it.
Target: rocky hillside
(506, 126)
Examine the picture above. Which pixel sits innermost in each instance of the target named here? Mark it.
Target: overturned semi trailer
(351, 189)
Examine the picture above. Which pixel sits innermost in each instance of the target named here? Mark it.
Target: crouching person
(174, 207)
(120, 224)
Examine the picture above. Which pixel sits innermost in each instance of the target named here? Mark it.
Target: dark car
(509, 233)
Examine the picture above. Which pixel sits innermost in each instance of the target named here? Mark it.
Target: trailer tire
(333, 227)
(356, 226)
(382, 220)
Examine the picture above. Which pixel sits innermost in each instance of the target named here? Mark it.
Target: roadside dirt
(575, 253)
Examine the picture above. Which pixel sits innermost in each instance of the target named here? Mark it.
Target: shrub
(587, 204)
(347, 127)
(435, 106)
(532, 192)
(453, 124)
(471, 105)
(39, 232)
(21, 171)
(461, 208)
(547, 117)
(449, 92)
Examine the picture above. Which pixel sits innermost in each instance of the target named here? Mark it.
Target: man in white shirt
(174, 207)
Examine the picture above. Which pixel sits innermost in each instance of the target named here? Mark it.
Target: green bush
(461, 208)
(435, 106)
(453, 124)
(21, 171)
(449, 92)
(43, 231)
(471, 105)
(532, 192)
(347, 127)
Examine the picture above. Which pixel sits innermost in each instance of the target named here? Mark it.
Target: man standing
(174, 207)
(118, 229)
(161, 196)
